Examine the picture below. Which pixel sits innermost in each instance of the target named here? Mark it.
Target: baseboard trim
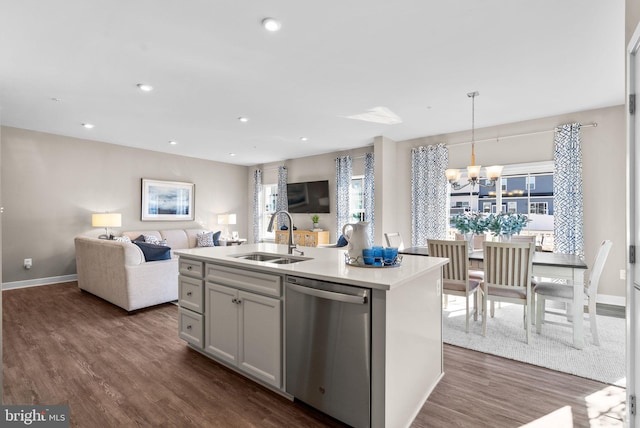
(39, 281)
(611, 300)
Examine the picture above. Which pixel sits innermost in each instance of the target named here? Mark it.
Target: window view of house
(524, 193)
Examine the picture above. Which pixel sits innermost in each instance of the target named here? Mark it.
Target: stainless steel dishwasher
(328, 348)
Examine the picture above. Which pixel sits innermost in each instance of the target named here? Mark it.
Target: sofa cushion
(192, 236)
(176, 238)
(154, 252)
(208, 239)
(122, 239)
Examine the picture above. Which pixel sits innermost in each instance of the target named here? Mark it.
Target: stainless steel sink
(259, 257)
(280, 259)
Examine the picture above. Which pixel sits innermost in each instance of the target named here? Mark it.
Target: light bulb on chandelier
(473, 170)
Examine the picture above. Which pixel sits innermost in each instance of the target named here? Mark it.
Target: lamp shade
(494, 171)
(453, 175)
(226, 219)
(106, 220)
(473, 171)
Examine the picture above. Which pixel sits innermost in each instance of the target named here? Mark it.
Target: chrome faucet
(291, 245)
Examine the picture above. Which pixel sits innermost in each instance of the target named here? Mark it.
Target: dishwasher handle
(330, 295)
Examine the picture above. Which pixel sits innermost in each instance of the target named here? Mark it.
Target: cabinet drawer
(270, 285)
(190, 326)
(190, 293)
(191, 268)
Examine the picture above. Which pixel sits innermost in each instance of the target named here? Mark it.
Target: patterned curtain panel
(567, 191)
(429, 193)
(257, 192)
(282, 203)
(369, 197)
(344, 168)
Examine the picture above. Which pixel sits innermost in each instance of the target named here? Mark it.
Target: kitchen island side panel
(413, 365)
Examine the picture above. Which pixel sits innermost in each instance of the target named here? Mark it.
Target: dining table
(570, 267)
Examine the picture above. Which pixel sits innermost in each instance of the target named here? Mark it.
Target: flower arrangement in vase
(506, 224)
(469, 222)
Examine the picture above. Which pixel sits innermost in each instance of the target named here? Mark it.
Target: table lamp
(106, 220)
(226, 219)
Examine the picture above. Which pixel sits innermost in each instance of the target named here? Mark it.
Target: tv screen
(311, 197)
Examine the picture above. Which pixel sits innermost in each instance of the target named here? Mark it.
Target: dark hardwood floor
(64, 346)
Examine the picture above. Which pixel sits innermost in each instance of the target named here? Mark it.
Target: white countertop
(326, 264)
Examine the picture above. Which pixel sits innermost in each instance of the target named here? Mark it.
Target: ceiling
(68, 62)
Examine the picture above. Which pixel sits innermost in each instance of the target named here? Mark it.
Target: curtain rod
(557, 128)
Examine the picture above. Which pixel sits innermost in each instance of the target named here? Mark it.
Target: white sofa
(117, 271)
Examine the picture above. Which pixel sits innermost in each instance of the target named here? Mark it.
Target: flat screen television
(310, 197)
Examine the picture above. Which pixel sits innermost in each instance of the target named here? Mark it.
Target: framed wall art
(167, 200)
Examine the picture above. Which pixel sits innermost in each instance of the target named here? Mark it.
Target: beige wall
(311, 168)
(51, 184)
(603, 174)
(632, 18)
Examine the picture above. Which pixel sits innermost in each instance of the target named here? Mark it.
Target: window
(526, 189)
(268, 204)
(356, 198)
(539, 208)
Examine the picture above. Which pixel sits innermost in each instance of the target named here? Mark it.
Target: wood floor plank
(64, 346)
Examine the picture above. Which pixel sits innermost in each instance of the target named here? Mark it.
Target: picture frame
(167, 200)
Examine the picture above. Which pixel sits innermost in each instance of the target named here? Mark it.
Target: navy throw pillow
(342, 242)
(154, 252)
(216, 238)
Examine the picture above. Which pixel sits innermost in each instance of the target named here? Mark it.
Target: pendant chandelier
(473, 170)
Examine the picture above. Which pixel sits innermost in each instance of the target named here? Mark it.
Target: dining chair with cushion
(548, 290)
(478, 240)
(455, 274)
(507, 277)
(394, 240)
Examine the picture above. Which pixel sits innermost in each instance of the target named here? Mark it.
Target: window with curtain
(567, 187)
(257, 204)
(344, 170)
(282, 203)
(429, 193)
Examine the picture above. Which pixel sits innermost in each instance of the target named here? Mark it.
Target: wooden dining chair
(507, 278)
(478, 240)
(455, 274)
(394, 240)
(564, 293)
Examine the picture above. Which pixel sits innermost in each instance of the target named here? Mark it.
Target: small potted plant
(315, 219)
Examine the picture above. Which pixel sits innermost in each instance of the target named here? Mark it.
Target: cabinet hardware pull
(189, 267)
(234, 300)
(189, 293)
(189, 327)
(238, 301)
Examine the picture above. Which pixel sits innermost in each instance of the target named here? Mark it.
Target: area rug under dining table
(553, 348)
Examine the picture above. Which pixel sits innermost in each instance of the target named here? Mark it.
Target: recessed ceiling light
(304, 139)
(145, 87)
(243, 119)
(88, 125)
(55, 99)
(232, 154)
(173, 143)
(271, 24)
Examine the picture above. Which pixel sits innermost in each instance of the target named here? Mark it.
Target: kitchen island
(234, 309)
